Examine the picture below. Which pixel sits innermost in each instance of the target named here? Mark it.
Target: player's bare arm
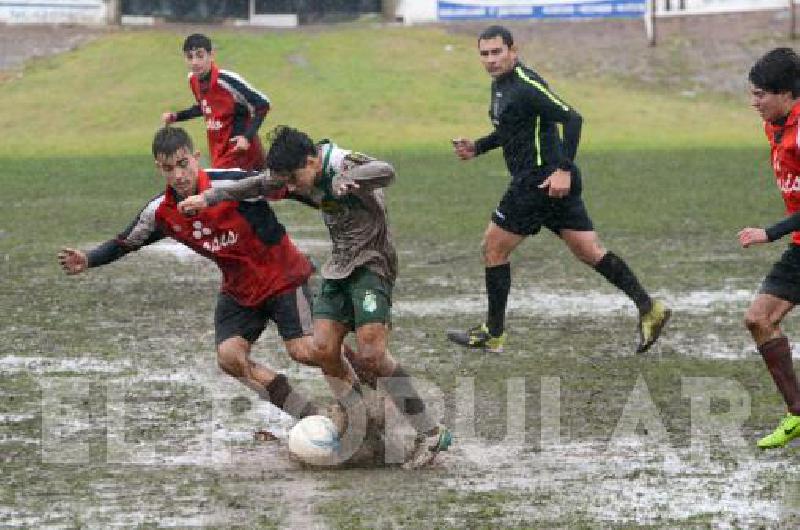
(193, 204)
(752, 236)
(73, 261)
(558, 183)
(168, 117)
(464, 148)
(240, 143)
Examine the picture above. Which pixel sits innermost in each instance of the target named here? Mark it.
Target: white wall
(413, 11)
(721, 6)
(53, 11)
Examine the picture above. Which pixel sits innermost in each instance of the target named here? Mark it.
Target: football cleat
(788, 430)
(651, 324)
(478, 337)
(427, 446)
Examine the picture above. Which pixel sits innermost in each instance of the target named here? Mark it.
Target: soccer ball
(315, 441)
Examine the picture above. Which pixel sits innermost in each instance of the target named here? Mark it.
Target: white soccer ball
(314, 440)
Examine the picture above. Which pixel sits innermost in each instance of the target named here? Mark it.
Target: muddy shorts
(291, 313)
(361, 298)
(525, 209)
(783, 280)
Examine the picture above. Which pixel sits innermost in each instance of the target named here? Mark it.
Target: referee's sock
(616, 271)
(498, 284)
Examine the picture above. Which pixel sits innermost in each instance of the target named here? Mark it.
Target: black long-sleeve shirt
(783, 227)
(525, 114)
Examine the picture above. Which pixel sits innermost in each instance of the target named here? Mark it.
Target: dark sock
(616, 271)
(498, 283)
(407, 400)
(281, 394)
(778, 357)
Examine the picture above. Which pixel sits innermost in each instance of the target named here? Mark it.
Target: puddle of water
(629, 482)
(14, 364)
(567, 303)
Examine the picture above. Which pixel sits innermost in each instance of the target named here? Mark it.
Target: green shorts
(361, 298)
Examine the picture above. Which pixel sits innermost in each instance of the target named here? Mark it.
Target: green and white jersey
(357, 221)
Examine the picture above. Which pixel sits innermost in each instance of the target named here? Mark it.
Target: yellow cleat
(478, 337)
(788, 430)
(651, 324)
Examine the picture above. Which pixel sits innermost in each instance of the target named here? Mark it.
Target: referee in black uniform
(545, 190)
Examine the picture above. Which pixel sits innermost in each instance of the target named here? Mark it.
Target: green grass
(668, 180)
(378, 88)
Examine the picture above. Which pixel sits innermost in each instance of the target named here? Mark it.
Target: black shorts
(525, 209)
(291, 313)
(783, 280)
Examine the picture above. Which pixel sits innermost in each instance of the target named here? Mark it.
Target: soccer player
(545, 190)
(233, 110)
(775, 95)
(263, 274)
(356, 293)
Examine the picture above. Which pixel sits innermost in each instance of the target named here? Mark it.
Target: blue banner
(454, 10)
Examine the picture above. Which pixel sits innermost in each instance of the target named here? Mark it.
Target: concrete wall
(55, 12)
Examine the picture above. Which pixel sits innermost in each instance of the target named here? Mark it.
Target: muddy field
(114, 413)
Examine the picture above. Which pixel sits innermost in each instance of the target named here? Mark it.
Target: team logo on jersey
(199, 230)
(206, 107)
(789, 183)
(216, 243)
(213, 124)
(356, 158)
(370, 303)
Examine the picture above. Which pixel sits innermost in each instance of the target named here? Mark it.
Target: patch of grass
(381, 95)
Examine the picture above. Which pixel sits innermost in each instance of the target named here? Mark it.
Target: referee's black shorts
(290, 311)
(783, 280)
(525, 209)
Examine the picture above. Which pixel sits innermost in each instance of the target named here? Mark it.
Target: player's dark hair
(777, 71)
(497, 31)
(169, 140)
(289, 149)
(196, 41)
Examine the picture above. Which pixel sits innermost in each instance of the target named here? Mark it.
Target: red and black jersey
(244, 238)
(783, 139)
(230, 107)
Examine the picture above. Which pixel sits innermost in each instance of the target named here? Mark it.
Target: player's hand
(73, 261)
(557, 184)
(191, 205)
(464, 148)
(752, 236)
(168, 117)
(343, 185)
(240, 143)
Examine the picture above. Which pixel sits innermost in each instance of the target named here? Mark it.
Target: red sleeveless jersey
(783, 141)
(246, 241)
(218, 103)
